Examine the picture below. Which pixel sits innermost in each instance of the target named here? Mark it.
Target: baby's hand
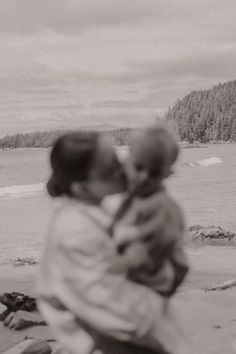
(118, 265)
(136, 255)
(125, 234)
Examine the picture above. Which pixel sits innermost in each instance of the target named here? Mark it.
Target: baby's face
(142, 171)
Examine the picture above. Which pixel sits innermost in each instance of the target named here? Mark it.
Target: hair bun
(52, 187)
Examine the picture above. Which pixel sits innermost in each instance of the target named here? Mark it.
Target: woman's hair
(71, 159)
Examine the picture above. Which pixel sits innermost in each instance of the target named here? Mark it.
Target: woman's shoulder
(68, 213)
(74, 221)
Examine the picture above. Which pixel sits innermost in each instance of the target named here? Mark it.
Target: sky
(73, 63)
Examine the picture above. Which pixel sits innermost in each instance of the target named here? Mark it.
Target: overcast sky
(68, 63)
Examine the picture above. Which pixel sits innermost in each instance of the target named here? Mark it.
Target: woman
(78, 293)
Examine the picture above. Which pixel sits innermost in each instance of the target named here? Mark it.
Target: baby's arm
(132, 239)
(163, 225)
(124, 234)
(161, 238)
(153, 227)
(133, 257)
(180, 265)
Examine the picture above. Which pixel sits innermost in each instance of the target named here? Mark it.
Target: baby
(148, 227)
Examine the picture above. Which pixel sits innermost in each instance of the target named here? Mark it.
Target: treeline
(201, 116)
(205, 115)
(118, 137)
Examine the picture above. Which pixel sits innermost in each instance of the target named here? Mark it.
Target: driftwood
(226, 285)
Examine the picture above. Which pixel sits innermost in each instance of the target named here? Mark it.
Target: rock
(216, 326)
(22, 319)
(2, 307)
(4, 314)
(210, 235)
(23, 261)
(16, 301)
(30, 346)
(8, 319)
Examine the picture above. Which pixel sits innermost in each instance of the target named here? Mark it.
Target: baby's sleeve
(125, 234)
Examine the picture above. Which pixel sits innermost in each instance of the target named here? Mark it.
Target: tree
(205, 115)
(233, 131)
(218, 128)
(120, 136)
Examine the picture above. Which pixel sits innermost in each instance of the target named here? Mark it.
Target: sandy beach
(207, 199)
(209, 318)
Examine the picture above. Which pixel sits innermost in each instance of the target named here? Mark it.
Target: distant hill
(205, 115)
(99, 127)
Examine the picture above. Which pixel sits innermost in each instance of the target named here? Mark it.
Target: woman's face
(107, 174)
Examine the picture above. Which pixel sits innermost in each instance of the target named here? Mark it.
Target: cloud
(75, 61)
(150, 102)
(215, 62)
(69, 16)
(44, 107)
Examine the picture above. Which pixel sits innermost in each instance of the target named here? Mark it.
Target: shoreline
(183, 145)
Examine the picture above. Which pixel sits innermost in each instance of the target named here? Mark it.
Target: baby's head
(84, 165)
(153, 151)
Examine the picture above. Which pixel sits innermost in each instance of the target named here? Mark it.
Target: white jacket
(75, 271)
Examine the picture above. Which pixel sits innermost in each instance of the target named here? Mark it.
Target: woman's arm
(79, 263)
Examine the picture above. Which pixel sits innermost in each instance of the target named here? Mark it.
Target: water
(204, 184)
(23, 166)
(207, 190)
